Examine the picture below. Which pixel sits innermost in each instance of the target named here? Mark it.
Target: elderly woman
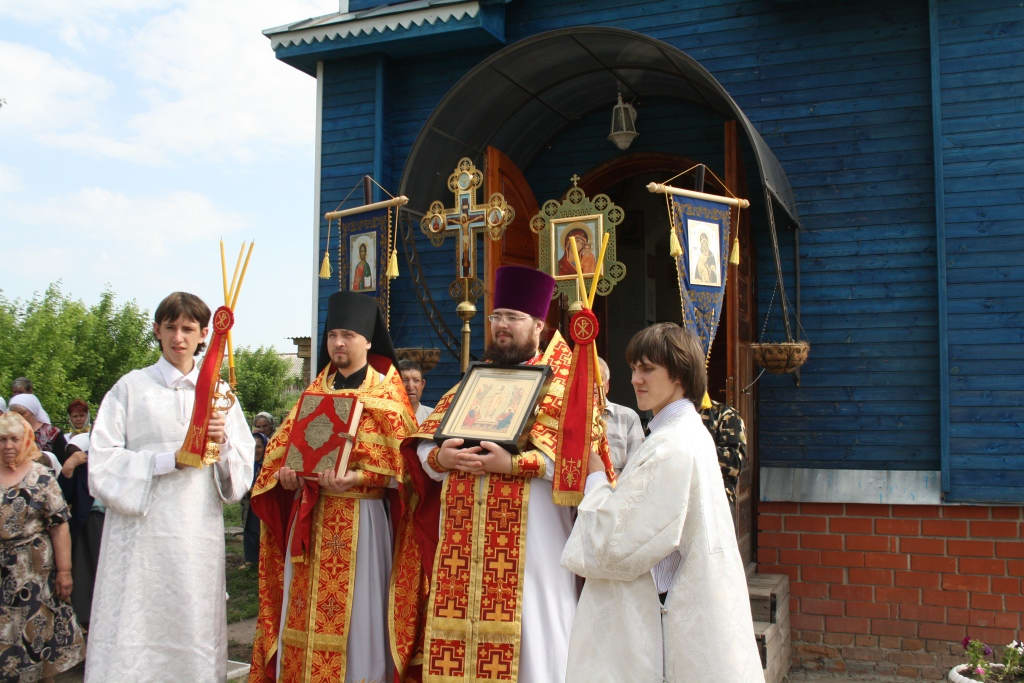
(39, 637)
(666, 595)
(48, 438)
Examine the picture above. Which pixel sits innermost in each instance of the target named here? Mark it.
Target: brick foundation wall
(892, 589)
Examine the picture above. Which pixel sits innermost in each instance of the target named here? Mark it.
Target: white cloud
(206, 78)
(141, 225)
(213, 83)
(190, 85)
(10, 179)
(77, 22)
(46, 93)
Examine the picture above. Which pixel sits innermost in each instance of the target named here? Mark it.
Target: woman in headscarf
(79, 417)
(39, 637)
(49, 439)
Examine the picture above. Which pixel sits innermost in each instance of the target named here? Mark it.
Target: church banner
(363, 252)
(702, 228)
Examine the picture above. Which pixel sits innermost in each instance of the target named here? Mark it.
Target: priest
(158, 609)
(326, 551)
(500, 606)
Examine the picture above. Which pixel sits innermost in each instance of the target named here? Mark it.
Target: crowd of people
(422, 560)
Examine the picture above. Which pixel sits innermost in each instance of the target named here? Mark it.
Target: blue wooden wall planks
(982, 116)
(842, 94)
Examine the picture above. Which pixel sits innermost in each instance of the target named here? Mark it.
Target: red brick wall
(892, 589)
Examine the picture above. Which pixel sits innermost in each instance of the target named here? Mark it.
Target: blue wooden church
(881, 145)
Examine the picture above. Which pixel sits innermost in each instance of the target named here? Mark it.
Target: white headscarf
(3, 405)
(80, 440)
(33, 405)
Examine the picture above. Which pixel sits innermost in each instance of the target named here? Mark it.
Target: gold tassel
(673, 244)
(325, 266)
(393, 265)
(734, 257)
(705, 404)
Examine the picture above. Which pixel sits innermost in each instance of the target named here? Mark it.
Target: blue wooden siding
(413, 90)
(346, 154)
(841, 92)
(981, 72)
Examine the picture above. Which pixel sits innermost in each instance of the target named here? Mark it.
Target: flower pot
(956, 677)
(780, 358)
(995, 674)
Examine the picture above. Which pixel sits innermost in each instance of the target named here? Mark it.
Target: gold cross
(447, 665)
(493, 665)
(466, 219)
(453, 563)
(449, 611)
(501, 563)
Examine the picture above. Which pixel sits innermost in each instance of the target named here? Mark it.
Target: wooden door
(519, 245)
(741, 329)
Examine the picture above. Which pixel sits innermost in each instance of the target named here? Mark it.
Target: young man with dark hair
(158, 608)
(663, 535)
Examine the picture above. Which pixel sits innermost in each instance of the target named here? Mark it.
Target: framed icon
(587, 231)
(364, 268)
(704, 253)
(495, 404)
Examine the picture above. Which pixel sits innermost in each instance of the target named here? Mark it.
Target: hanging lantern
(623, 124)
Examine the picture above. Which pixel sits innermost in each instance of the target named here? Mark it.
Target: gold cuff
(433, 462)
(529, 464)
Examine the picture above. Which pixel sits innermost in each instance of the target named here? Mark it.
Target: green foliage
(265, 381)
(242, 581)
(69, 350)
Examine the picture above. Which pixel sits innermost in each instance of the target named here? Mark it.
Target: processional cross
(466, 220)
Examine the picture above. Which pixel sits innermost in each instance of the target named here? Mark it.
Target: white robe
(549, 591)
(669, 499)
(158, 610)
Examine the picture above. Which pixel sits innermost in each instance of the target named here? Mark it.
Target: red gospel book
(323, 433)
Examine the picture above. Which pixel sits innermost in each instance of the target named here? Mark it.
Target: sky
(135, 134)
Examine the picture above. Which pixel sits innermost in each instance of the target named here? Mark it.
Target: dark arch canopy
(523, 95)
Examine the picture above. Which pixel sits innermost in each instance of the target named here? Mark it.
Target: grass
(242, 583)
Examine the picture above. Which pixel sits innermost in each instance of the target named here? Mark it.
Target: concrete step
(769, 593)
(774, 645)
(237, 671)
(769, 606)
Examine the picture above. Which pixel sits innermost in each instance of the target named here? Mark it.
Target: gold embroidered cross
(494, 666)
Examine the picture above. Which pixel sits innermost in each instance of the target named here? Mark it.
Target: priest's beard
(514, 354)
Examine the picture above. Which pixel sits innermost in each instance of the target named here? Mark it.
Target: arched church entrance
(535, 113)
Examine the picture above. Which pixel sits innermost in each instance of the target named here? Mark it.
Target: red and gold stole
(315, 633)
(474, 625)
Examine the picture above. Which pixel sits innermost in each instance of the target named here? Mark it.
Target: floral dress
(39, 636)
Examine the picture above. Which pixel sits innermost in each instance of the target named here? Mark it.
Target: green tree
(265, 381)
(69, 350)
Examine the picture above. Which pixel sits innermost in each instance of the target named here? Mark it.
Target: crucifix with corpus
(466, 220)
